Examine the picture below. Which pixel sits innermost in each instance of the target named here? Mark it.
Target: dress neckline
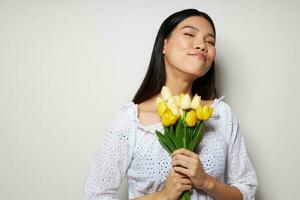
(158, 125)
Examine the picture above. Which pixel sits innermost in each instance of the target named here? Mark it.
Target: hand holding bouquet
(182, 120)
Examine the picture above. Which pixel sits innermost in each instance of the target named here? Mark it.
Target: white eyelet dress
(131, 149)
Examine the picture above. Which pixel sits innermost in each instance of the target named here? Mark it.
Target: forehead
(198, 22)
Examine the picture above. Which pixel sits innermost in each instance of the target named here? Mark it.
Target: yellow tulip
(171, 101)
(177, 100)
(168, 118)
(174, 108)
(162, 108)
(158, 100)
(190, 118)
(204, 113)
(181, 112)
(166, 93)
(185, 101)
(175, 119)
(196, 102)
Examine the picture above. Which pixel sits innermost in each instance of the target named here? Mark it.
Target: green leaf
(164, 146)
(166, 129)
(197, 138)
(162, 141)
(188, 135)
(184, 135)
(160, 135)
(193, 129)
(172, 130)
(178, 133)
(173, 137)
(169, 141)
(186, 195)
(198, 126)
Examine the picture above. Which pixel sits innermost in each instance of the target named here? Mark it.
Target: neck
(179, 81)
(179, 86)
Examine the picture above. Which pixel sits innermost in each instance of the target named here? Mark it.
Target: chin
(197, 70)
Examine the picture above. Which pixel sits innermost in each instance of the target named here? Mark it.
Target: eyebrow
(196, 29)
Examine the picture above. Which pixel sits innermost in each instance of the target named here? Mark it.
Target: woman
(183, 60)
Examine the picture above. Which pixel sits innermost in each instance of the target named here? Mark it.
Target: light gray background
(67, 66)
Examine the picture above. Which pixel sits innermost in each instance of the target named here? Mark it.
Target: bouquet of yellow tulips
(182, 120)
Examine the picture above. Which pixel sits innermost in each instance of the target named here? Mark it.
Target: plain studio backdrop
(66, 67)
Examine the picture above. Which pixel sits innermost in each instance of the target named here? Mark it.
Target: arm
(221, 191)
(241, 181)
(239, 175)
(111, 161)
(153, 196)
(176, 183)
(240, 172)
(188, 163)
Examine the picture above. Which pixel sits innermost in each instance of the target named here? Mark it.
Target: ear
(165, 42)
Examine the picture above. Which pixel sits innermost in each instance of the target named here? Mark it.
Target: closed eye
(212, 43)
(189, 34)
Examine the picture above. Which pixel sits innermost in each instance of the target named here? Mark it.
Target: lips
(199, 55)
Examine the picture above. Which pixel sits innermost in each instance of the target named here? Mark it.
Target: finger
(185, 152)
(186, 158)
(181, 162)
(172, 172)
(185, 181)
(186, 187)
(182, 171)
(179, 175)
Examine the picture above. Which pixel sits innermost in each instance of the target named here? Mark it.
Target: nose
(201, 45)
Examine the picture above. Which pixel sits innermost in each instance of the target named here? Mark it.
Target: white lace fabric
(132, 149)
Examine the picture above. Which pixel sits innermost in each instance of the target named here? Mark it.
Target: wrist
(162, 195)
(209, 184)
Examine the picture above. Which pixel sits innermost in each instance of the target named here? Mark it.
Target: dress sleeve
(240, 172)
(111, 160)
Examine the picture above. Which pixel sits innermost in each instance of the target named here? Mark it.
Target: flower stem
(186, 195)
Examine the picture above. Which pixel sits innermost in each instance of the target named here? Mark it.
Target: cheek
(212, 52)
(176, 51)
(211, 55)
(181, 44)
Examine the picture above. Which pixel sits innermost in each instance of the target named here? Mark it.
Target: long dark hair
(156, 74)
